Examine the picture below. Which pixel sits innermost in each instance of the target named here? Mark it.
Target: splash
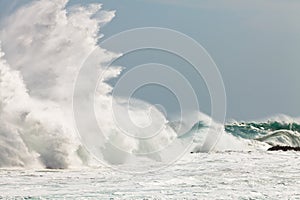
(43, 46)
(45, 43)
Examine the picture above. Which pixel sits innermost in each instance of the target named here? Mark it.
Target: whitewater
(43, 45)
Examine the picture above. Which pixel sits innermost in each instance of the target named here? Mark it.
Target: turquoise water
(271, 132)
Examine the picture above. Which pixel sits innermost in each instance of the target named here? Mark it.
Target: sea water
(43, 45)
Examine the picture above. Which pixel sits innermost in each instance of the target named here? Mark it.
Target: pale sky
(255, 43)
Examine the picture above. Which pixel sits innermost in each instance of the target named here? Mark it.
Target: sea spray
(45, 44)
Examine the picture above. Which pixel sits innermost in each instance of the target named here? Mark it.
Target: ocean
(218, 175)
(140, 154)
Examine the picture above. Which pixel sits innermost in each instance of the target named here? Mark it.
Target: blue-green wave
(271, 132)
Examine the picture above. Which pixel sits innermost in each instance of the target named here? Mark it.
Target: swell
(273, 133)
(282, 138)
(250, 135)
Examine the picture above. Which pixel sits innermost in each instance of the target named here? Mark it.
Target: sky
(255, 44)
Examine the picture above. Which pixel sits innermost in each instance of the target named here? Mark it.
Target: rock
(284, 148)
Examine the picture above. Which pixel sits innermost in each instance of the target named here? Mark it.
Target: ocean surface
(223, 175)
(228, 174)
(43, 45)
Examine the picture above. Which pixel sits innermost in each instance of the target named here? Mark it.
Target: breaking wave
(43, 45)
(274, 133)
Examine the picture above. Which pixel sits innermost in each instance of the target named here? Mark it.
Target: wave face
(245, 136)
(272, 132)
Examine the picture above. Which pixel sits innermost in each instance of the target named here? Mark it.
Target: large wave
(281, 131)
(43, 45)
